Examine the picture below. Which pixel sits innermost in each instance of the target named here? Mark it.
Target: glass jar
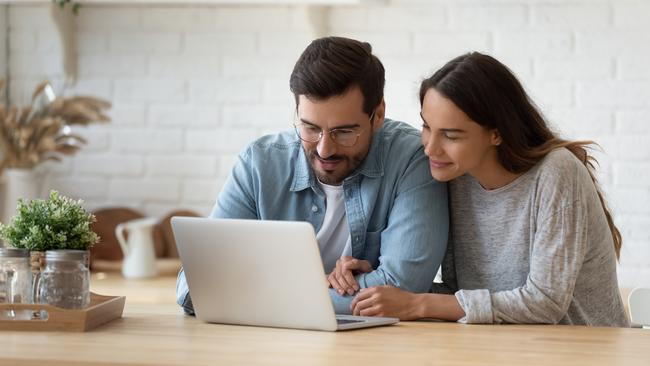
(15, 282)
(15, 276)
(65, 280)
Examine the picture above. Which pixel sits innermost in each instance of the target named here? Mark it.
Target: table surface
(153, 331)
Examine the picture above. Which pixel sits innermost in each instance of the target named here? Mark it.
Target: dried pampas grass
(42, 131)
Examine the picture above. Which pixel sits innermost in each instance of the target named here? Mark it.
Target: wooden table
(154, 332)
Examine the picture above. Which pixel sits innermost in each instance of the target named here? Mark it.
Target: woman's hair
(489, 93)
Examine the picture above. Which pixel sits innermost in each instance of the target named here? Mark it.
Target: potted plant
(58, 235)
(56, 223)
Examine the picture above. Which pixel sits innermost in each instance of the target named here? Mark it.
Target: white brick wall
(4, 28)
(3, 45)
(191, 86)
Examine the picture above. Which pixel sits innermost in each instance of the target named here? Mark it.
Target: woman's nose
(431, 147)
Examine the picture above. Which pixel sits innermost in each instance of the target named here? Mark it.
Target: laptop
(258, 272)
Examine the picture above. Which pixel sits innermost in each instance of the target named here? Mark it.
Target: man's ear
(380, 114)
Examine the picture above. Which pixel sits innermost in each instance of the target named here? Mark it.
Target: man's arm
(235, 201)
(237, 198)
(414, 241)
(449, 284)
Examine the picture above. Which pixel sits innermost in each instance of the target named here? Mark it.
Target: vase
(16, 184)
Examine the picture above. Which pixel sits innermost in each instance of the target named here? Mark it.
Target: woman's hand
(342, 276)
(387, 301)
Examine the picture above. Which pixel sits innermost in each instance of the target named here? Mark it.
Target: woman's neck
(492, 175)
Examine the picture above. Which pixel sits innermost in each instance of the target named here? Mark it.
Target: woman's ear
(496, 137)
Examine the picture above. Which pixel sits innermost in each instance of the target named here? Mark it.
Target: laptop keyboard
(348, 321)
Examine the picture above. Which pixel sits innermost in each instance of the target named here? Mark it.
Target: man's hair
(330, 66)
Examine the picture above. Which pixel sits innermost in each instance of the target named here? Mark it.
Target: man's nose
(326, 146)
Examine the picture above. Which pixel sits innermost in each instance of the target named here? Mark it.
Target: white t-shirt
(334, 236)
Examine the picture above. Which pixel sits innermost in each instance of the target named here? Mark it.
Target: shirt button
(314, 208)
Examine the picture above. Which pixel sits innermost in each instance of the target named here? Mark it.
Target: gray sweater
(537, 250)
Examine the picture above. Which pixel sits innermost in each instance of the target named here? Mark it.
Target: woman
(532, 240)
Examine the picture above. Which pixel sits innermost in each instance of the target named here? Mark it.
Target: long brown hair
(489, 93)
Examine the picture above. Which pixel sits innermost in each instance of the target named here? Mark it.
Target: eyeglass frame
(330, 131)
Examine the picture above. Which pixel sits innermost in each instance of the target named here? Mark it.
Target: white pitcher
(139, 255)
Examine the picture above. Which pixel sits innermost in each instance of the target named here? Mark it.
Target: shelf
(205, 2)
(316, 11)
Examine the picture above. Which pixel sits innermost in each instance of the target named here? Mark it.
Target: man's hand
(386, 301)
(342, 276)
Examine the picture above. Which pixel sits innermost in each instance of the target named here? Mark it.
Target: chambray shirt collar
(372, 166)
(303, 176)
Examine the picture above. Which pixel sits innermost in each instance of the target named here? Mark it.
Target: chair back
(639, 305)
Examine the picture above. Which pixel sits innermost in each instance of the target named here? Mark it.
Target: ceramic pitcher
(139, 255)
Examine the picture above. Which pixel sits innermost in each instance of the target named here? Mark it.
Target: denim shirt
(397, 214)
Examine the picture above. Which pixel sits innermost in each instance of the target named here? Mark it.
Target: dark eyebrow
(342, 127)
(308, 122)
(347, 127)
(456, 130)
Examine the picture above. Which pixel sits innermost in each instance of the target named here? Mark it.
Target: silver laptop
(263, 273)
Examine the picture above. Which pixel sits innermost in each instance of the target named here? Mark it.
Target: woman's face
(453, 142)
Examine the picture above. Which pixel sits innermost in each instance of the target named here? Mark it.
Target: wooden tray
(102, 310)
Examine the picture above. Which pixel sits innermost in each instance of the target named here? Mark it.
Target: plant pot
(16, 184)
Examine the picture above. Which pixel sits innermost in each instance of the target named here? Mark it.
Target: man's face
(343, 114)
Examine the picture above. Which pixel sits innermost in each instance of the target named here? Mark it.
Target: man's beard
(330, 178)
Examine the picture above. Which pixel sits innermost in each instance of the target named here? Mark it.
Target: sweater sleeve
(557, 254)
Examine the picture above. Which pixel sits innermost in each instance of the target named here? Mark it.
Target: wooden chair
(165, 227)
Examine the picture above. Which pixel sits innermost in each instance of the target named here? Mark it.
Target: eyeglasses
(345, 137)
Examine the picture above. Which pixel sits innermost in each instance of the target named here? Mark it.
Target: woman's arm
(556, 257)
(393, 302)
(439, 306)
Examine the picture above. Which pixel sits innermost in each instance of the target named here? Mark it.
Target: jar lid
(14, 253)
(66, 255)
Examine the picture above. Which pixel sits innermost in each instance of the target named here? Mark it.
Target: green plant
(56, 223)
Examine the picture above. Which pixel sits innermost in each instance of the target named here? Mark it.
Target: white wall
(192, 85)
(3, 46)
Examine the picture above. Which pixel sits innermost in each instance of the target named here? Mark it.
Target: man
(363, 182)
